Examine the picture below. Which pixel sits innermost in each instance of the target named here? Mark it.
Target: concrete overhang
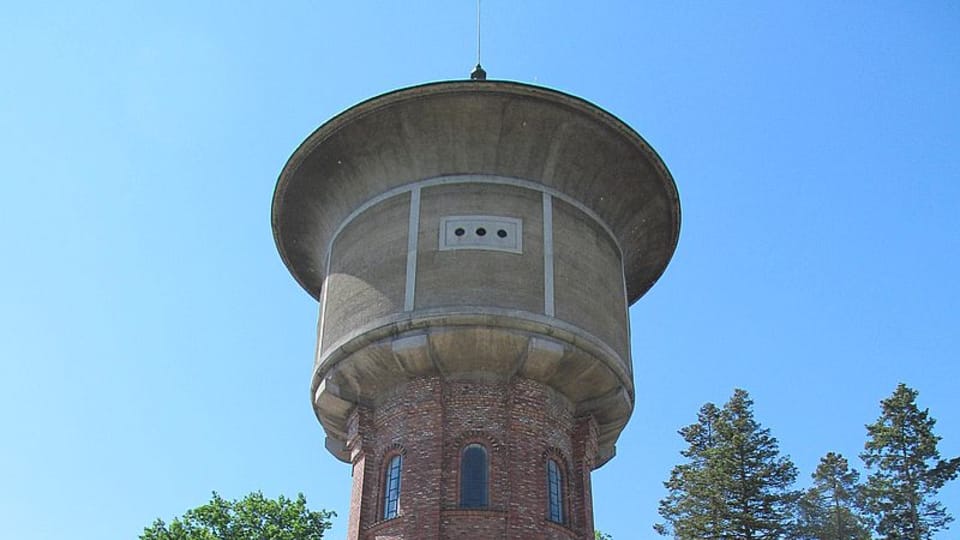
(498, 128)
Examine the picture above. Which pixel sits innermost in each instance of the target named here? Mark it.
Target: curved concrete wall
(478, 277)
(588, 276)
(367, 269)
(376, 274)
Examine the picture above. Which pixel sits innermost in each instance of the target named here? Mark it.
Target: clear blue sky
(153, 347)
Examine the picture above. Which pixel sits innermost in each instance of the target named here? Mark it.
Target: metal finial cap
(478, 74)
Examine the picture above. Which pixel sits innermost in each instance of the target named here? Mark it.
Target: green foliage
(597, 535)
(734, 485)
(694, 505)
(831, 508)
(908, 470)
(254, 517)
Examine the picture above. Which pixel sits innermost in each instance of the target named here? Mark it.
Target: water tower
(474, 247)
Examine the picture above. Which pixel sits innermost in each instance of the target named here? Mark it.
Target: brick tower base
(521, 424)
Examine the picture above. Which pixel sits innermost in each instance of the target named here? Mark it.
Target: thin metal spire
(478, 74)
(478, 32)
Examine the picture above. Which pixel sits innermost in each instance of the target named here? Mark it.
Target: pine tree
(831, 508)
(734, 485)
(761, 500)
(694, 506)
(902, 449)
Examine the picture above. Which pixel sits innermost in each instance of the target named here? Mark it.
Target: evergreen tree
(831, 508)
(734, 485)
(902, 490)
(694, 506)
(761, 500)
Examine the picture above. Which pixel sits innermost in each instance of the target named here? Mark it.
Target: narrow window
(555, 491)
(391, 492)
(473, 477)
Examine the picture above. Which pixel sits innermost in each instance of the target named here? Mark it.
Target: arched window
(473, 477)
(554, 491)
(391, 487)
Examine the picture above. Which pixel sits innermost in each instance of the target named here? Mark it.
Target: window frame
(390, 493)
(556, 494)
(483, 483)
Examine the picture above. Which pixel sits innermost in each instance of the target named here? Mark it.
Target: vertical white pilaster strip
(548, 308)
(323, 303)
(413, 233)
(626, 315)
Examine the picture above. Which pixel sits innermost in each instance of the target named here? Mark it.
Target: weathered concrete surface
(466, 277)
(477, 127)
(367, 268)
(589, 278)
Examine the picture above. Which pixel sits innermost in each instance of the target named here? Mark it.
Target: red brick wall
(520, 423)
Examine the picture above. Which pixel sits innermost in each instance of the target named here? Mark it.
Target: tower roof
(497, 128)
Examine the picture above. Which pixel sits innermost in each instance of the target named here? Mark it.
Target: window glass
(391, 493)
(473, 477)
(555, 491)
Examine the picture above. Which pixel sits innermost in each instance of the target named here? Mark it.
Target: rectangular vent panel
(481, 232)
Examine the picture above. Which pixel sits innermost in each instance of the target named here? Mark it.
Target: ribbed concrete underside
(481, 344)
